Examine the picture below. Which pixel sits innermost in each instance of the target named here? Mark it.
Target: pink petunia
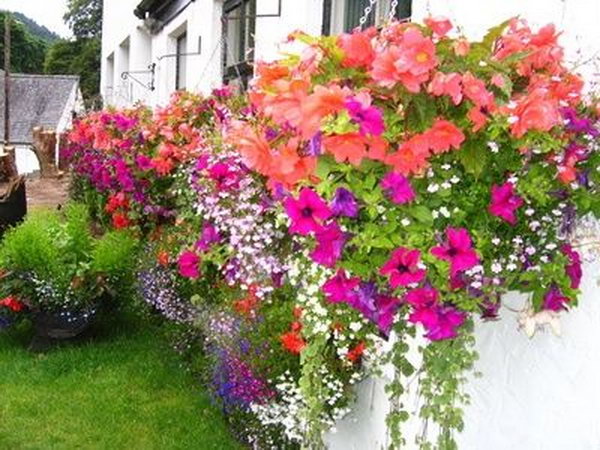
(330, 245)
(403, 267)
(340, 288)
(457, 250)
(188, 264)
(398, 188)
(573, 269)
(505, 202)
(307, 212)
(422, 297)
(554, 299)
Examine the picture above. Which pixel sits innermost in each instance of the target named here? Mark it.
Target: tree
(84, 17)
(27, 51)
(80, 57)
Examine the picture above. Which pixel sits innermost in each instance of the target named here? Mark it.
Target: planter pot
(53, 327)
(13, 204)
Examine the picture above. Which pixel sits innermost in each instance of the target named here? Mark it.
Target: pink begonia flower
(447, 84)
(330, 245)
(505, 202)
(554, 299)
(340, 288)
(188, 264)
(573, 269)
(306, 212)
(457, 250)
(398, 188)
(403, 267)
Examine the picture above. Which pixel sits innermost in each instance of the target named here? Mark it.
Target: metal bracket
(151, 70)
(173, 55)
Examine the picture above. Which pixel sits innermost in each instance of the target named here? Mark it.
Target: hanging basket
(53, 327)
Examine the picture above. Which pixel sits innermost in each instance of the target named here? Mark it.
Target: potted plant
(61, 272)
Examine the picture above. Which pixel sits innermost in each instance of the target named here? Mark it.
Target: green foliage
(27, 51)
(84, 17)
(79, 57)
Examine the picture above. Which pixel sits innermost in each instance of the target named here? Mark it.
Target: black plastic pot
(53, 327)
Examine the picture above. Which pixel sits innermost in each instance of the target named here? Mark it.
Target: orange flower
(284, 105)
(162, 165)
(293, 342)
(346, 147)
(321, 103)
(443, 136)
(247, 305)
(163, 258)
(268, 73)
(411, 157)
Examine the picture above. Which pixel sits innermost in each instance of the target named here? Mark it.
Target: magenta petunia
(398, 188)
(224, 175)
(209, 236)
(403, 267)
(340, 288)
(505, 202)
(573, 269)
(440, 322)
(554, 299)
(307, 212)
(330, 245)
(188, 264)
(457, 250)
(386, 307)
(369, 118)
(422, 298)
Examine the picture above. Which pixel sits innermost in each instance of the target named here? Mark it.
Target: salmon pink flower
(340, 288)
(478, 118)
(573, 269)
(357, 48)
(439, 25)
(307, 212)
(447, 84)
(417, 55)
(475, 90)
(461, 47)
(411, 157)
(351, 147)
(554, 299)
(403, 268)
(536, 111)
(369, 118)
(457, 250)
(344, 203)
(443, 136)
(330, 245)
(398, 188)
(188, 264)
(505, 202)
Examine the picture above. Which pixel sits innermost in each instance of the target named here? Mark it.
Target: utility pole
(9, 161)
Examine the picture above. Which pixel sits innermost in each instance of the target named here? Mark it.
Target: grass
(121, 389)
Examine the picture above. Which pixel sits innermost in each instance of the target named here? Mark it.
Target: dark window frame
(179, 55)
(242, 70)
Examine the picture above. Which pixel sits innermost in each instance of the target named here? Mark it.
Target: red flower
(443, 136)
(163, 258)
(116, 201)
(247, 305)
(293, 342)
(12, 303)
(356, 353)
(120, 220)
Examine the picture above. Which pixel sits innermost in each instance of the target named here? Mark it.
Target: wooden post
(44, 146)
(10, 166)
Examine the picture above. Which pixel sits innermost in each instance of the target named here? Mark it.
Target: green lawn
(123, 389)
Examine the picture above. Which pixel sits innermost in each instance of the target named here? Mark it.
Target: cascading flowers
(429, 176)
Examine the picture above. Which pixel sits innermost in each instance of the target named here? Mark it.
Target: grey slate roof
(35, 100)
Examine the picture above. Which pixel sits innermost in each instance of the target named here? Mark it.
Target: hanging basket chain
(366, 14)
(393, 8)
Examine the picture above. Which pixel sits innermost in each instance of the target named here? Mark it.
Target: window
(180, 65)
(239, 22)
(110, 72)
(341, 16)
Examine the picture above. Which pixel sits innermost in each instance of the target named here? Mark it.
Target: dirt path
(47, 192)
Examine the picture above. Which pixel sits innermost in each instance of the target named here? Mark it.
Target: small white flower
(529, 212)
(433, 188)
(454, 179)
(496, 267)
(405, 222)
(496, 241)
(444, 212)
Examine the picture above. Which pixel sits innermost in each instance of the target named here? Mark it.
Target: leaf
(422, 214)
(494, 33)
(473, 155)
